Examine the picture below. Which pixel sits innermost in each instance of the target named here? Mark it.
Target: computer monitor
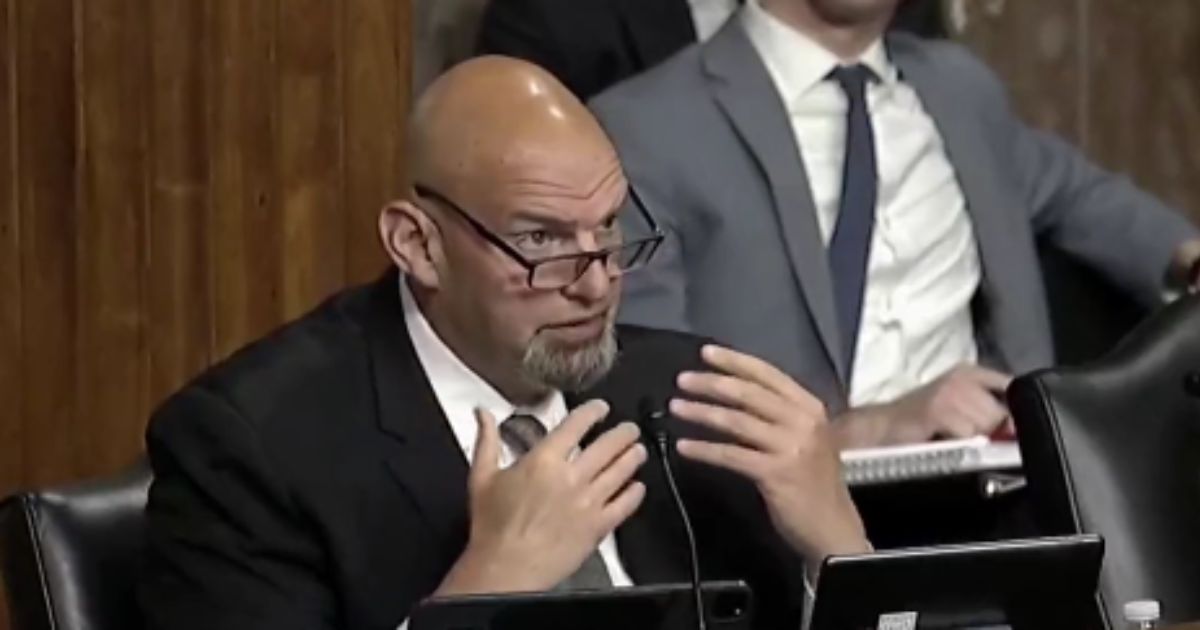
(1031, 584)
(729, 606)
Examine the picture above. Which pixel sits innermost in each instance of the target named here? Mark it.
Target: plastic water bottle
(1142, 614)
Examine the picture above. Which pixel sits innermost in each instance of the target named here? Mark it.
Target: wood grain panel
(177, 177)
(11, 385)
(178, 287)
(373, 126)
(111, 239)
(309, 114)
(404, 83)
(46, 106)
(1034, 47)
(1145, 94)
(246, 245)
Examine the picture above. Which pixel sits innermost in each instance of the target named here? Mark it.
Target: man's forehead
(563, 192)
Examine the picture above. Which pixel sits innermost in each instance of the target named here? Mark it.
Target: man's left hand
(783, 444)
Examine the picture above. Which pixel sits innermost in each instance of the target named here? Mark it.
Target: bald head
(514, 184)
(492, 122)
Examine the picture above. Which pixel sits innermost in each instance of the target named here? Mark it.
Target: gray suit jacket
(705, 139)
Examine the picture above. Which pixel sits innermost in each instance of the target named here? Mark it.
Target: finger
(745, 428)
(958, 428)
(731, 457)
(958, 420)
(742, 395)
(486, 460)
(1007, 430)
(613, 478)
(971, 410)
(622, 507)
(601, 453)
(985, 412)
(761, 372)
(994, 381)
(566, 436)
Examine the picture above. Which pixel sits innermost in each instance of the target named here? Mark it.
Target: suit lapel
(656, 28)
(427, 461)
(745, 93)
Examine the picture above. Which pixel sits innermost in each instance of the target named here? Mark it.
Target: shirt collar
(796, 62)
(459, 389)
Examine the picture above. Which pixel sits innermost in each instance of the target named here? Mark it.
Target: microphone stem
(664, 454)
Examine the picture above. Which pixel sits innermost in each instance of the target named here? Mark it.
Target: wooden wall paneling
(11, 371)
(246, 243)
(375, 66)
(1144, 96)
(178, 283)
(310, 151)
(179, 176)
(111, 237)
(1034, 46)
(47, 131)
(443, 33)
(404, 85)
(11, 382)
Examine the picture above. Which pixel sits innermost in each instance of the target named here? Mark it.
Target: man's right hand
(533, 524)
(963, 402)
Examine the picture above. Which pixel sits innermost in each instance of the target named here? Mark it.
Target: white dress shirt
(460, 391)
(709, 15)
(924, 267)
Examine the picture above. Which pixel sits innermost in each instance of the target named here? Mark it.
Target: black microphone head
(651, 412)
(646, 408)
(650, 417)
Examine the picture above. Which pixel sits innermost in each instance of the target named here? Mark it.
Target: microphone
(650, 417)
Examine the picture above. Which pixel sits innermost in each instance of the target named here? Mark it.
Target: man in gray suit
(861, 210)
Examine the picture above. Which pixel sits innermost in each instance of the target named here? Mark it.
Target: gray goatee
(569, 369)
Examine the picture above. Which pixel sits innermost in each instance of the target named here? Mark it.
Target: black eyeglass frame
(646, 247)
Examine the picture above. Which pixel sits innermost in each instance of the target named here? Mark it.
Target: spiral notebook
(869, 466)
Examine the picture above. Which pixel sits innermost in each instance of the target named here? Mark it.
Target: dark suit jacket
(588, 44)
(591, 45)
(312, 482)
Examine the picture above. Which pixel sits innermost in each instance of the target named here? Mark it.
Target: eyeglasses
(560, 271)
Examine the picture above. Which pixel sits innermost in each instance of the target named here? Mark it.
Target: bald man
(463, 424)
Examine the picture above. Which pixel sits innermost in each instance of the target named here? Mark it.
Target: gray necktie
(521, 433)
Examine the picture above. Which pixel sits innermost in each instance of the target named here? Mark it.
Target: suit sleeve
(1100, 218)
(226, 547)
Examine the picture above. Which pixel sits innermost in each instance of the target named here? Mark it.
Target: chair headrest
(1113, 447)
(70, 556)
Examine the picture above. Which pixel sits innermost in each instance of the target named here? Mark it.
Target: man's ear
(413, 242)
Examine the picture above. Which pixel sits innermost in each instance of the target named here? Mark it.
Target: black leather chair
(70, 556)
(1113, 447)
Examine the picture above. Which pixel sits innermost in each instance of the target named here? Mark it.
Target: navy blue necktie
(850, 247)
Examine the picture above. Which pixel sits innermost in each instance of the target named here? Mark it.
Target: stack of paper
(932, 459)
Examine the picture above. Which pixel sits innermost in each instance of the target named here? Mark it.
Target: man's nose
(594, 284)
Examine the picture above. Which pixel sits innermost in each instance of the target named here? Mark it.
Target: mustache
(603, 313)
